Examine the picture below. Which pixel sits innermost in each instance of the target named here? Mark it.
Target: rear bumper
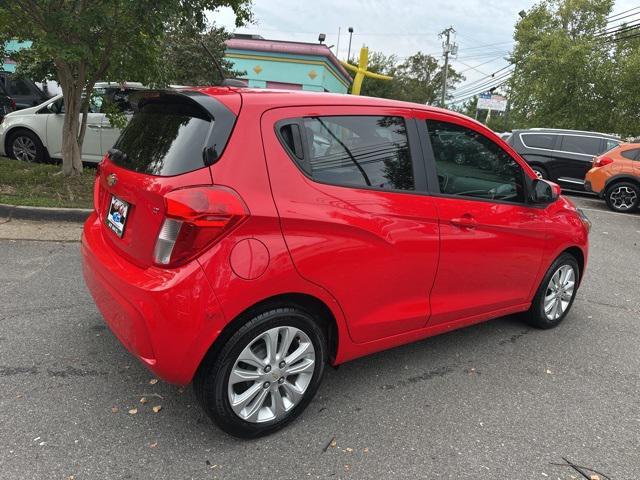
(166, 318)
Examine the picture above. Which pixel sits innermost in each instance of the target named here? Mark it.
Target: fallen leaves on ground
(114, 409)
(157, 408)
(133, 411)
(153, 381)
(143, 400)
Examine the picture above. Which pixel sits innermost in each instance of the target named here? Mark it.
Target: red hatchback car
(242, 239)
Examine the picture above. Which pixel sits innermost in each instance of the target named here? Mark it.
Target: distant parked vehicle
(615, 176)
(25, 93)
(563, 156)
(7, 104)
(35, 134)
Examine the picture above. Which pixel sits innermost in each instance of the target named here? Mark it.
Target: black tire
(211, 381)
(540, 172)
(623, 197)
(16, 146)
(536, 315)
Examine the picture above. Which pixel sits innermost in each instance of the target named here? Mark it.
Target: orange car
(615, 176)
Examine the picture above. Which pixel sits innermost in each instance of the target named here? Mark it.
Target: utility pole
(447, 48)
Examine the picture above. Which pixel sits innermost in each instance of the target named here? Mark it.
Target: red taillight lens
(602, 161)
(195, 218)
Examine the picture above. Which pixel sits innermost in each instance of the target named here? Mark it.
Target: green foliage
(418, 79)
(81, 42)
(569, 76)
(187, 61)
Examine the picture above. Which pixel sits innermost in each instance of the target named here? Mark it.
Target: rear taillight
(195, 218)
(602, 161)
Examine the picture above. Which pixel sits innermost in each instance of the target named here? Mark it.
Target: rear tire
(540, 172)
(556, 293)
(249, 389)
(26, 146)
(623, 197)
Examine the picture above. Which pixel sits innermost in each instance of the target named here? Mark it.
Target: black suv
(563, 156)
(25, 93)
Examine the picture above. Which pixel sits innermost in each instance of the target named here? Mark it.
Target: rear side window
(359, 151)
(633, 154)
(18, 86)
(165, 137)
(539, 140)
(582, 145)
(610, 144)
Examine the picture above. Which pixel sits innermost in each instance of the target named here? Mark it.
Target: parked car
(615, 176)
(242, 239)
(22, 90)
(7, 104)
(35, 134)
(563, 156)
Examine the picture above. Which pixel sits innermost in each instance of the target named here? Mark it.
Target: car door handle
(94, 126)
(466, 221)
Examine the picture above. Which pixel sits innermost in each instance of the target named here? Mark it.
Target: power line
(471, 95)
(480, 80)
(621, 13)
(484, 87)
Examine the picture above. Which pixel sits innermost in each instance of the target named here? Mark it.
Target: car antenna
(227, 82)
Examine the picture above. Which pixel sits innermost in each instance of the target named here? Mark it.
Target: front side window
(580, 144)
(469, 164)
(359, 151)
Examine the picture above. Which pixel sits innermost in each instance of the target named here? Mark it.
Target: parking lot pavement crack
(611, 305)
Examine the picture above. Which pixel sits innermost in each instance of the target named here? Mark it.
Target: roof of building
(258, 44)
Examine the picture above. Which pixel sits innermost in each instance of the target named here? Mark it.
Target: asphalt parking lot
(494, 401)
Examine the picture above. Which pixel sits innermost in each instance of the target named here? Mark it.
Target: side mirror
(544, 192)
(56, 107)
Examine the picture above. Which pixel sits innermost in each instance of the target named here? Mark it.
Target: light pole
(447, 48)
(349, 50)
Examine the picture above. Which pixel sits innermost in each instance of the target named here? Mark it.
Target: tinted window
(609, 144)
(583, 145)
(539, 140)
(470, 165)
(19, 87)
(633, 154)
(365, 151)
(164, 138)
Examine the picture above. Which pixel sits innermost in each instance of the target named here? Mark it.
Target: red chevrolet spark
(243, 239)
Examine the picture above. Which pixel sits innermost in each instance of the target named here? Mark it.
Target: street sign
(487, 101)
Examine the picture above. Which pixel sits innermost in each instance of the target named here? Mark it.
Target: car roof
(564, 130)
(270, 98)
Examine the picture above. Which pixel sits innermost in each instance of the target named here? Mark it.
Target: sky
(484, 28)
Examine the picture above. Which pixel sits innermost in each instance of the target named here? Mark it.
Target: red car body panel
(390, 267)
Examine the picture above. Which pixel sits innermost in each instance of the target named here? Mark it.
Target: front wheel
(623, 197)
(540, 172)
(266, 373)
(556, 293)
(26, 146)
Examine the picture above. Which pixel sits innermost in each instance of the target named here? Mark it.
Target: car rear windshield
(165, 137)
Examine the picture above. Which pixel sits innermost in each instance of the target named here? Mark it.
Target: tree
(563, 69)
(187, 61)
(418, 79)
(625, 85)
(85, 41)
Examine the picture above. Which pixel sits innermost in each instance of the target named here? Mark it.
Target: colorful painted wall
(12, 46)
(288, 65)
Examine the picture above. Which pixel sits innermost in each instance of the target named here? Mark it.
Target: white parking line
(606, 211)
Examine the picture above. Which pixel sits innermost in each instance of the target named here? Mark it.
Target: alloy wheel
(559, 292)
(271, 374)
(538, 173)
(623, 197)
(24, 148)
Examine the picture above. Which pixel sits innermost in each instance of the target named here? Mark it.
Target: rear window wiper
(117, 155)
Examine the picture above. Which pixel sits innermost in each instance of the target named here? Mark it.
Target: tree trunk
(72, 88)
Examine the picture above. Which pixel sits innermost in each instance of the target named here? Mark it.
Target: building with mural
(287, 65)
(10, 47)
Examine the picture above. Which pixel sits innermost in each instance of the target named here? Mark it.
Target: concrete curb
(44, 213)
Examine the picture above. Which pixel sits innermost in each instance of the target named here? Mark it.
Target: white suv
(35, 133)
